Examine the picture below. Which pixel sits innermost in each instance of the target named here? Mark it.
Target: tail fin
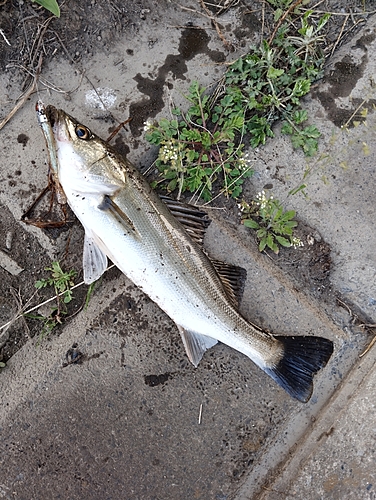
(303, 357)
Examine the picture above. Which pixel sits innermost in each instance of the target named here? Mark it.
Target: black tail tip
(303, 357)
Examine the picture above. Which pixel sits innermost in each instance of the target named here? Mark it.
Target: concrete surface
(135, 420)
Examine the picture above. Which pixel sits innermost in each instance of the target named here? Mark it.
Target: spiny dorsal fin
(194, 220)
(233, 279)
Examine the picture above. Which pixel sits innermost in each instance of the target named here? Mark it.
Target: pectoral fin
(94, 260)
(195, 344)
(107, 204)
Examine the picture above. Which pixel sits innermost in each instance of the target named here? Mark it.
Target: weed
(49, 322)
(200, 147)
(2, 365)
(62, 282)
(50, 5)
(205, 144)
(273, 226)
(269, 82)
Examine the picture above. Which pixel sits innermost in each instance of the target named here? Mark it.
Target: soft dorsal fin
(233, 280)
(194, 220)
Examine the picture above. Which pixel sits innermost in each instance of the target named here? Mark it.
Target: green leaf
(271, 243)
(172, 185)
(277, 14)
(322, 21)
(262, 244)
(274, 73)
(251, 223)
(191, 155)
(283, 241)
(296, 190)
(286, 128)
(287, 216)
(311, 131)
(40, 284)
(50, 5)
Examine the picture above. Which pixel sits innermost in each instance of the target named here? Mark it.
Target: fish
(158, 244)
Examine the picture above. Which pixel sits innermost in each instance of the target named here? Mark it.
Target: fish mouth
(52, 114)
(57, 120)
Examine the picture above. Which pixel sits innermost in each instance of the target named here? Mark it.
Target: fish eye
(82, 132)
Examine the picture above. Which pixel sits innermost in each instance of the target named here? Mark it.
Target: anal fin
(195, 344)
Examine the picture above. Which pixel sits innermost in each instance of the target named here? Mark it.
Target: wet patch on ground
(340, 81)
(193, 41)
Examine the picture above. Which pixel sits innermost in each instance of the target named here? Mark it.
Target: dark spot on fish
(130, 52)
(154, 380)
(17, 172)
(22, 139)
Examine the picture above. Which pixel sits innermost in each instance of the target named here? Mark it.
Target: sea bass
(159, 249)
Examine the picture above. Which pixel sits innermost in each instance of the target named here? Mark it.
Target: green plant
(269, 82)
(201, 147)
(273, 226)
(49, 322)
(2, 365)
(62, 282)
(205, 145)
(50, 5)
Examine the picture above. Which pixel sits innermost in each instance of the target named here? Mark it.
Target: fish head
(87, 164)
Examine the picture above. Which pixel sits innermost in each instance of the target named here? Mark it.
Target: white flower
(148, 124)
(296, 242)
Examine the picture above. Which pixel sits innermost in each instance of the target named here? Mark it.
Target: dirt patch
(308, 266)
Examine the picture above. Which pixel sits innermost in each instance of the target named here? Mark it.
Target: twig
(228, 45)
(117, 129)
(5, 38)
(355, 112)
(18, 300)
(26, 95)
(368, 348)
(340, 34)
(200, 413)
(282, 18)
(192, 10)
(346, 306)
